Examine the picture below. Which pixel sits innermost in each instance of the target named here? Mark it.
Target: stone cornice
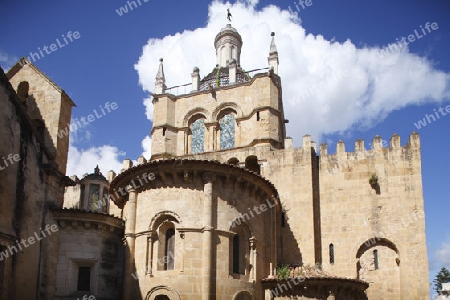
(84, 219)
(274, 77)
(182, 172)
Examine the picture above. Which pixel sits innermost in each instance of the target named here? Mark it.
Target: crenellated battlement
(377, 145)
(393, 154)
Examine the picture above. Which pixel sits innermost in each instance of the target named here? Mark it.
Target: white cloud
(82, 161)
(147, 146)
(443, 254)
(374, 86)
(7, 61)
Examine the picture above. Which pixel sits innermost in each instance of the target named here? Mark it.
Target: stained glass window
(94, 196)
(227, 132)
(198, 136)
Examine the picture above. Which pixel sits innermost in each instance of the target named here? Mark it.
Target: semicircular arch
(225, 108)
(242, 295)
(193, 114)
(163, 216)
(162, 290)
(373, 242)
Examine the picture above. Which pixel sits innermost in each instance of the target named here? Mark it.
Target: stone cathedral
(225, 208)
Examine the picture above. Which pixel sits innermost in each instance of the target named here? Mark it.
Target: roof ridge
(25, 61)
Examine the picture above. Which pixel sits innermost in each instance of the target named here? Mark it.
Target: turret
(160, 83)
(273, 55)
(228, 45)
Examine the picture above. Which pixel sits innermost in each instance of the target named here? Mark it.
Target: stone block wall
(47, 103)
(359, 218)
(253, 104)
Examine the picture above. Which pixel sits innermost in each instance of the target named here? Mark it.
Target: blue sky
(116, 57)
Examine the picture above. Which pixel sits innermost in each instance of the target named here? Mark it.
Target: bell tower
(228, 109)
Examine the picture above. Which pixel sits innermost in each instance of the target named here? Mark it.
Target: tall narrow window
(283, 219)
(198, 136)
(331, 250)
(375, 259)
(236, 254)
(169, 253)
(84, 279)
(94, 197)
(227, 131)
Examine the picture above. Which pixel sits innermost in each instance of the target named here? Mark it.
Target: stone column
(207, 236)
(130, 230)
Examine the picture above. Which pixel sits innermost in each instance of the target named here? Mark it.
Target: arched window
(162, 297)
(169, 250)
(94, 197)
(227, 130)
(375, 259)
(251, 163)
(233, 52)
(331, 250)
(240, 250)
(233, 161)
(198, 136)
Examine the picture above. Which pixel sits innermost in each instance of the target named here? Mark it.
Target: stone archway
(162, 293)
(378, 263)
(243, 295)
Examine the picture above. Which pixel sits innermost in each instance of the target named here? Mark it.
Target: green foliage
(283, 272)
(218, 76)
(373, 178)
(442, 277)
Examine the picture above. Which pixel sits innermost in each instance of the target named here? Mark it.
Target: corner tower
(229, 108)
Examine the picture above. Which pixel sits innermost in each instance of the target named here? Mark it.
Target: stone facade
(42, 246)
(32, 185)
(356, 215)
(226, 207)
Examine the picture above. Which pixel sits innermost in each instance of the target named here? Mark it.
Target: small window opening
(257, 116)
(283, 219)
(375, 259)
(331, 248)
(164, 131)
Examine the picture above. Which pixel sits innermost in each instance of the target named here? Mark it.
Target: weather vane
(229, 16)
